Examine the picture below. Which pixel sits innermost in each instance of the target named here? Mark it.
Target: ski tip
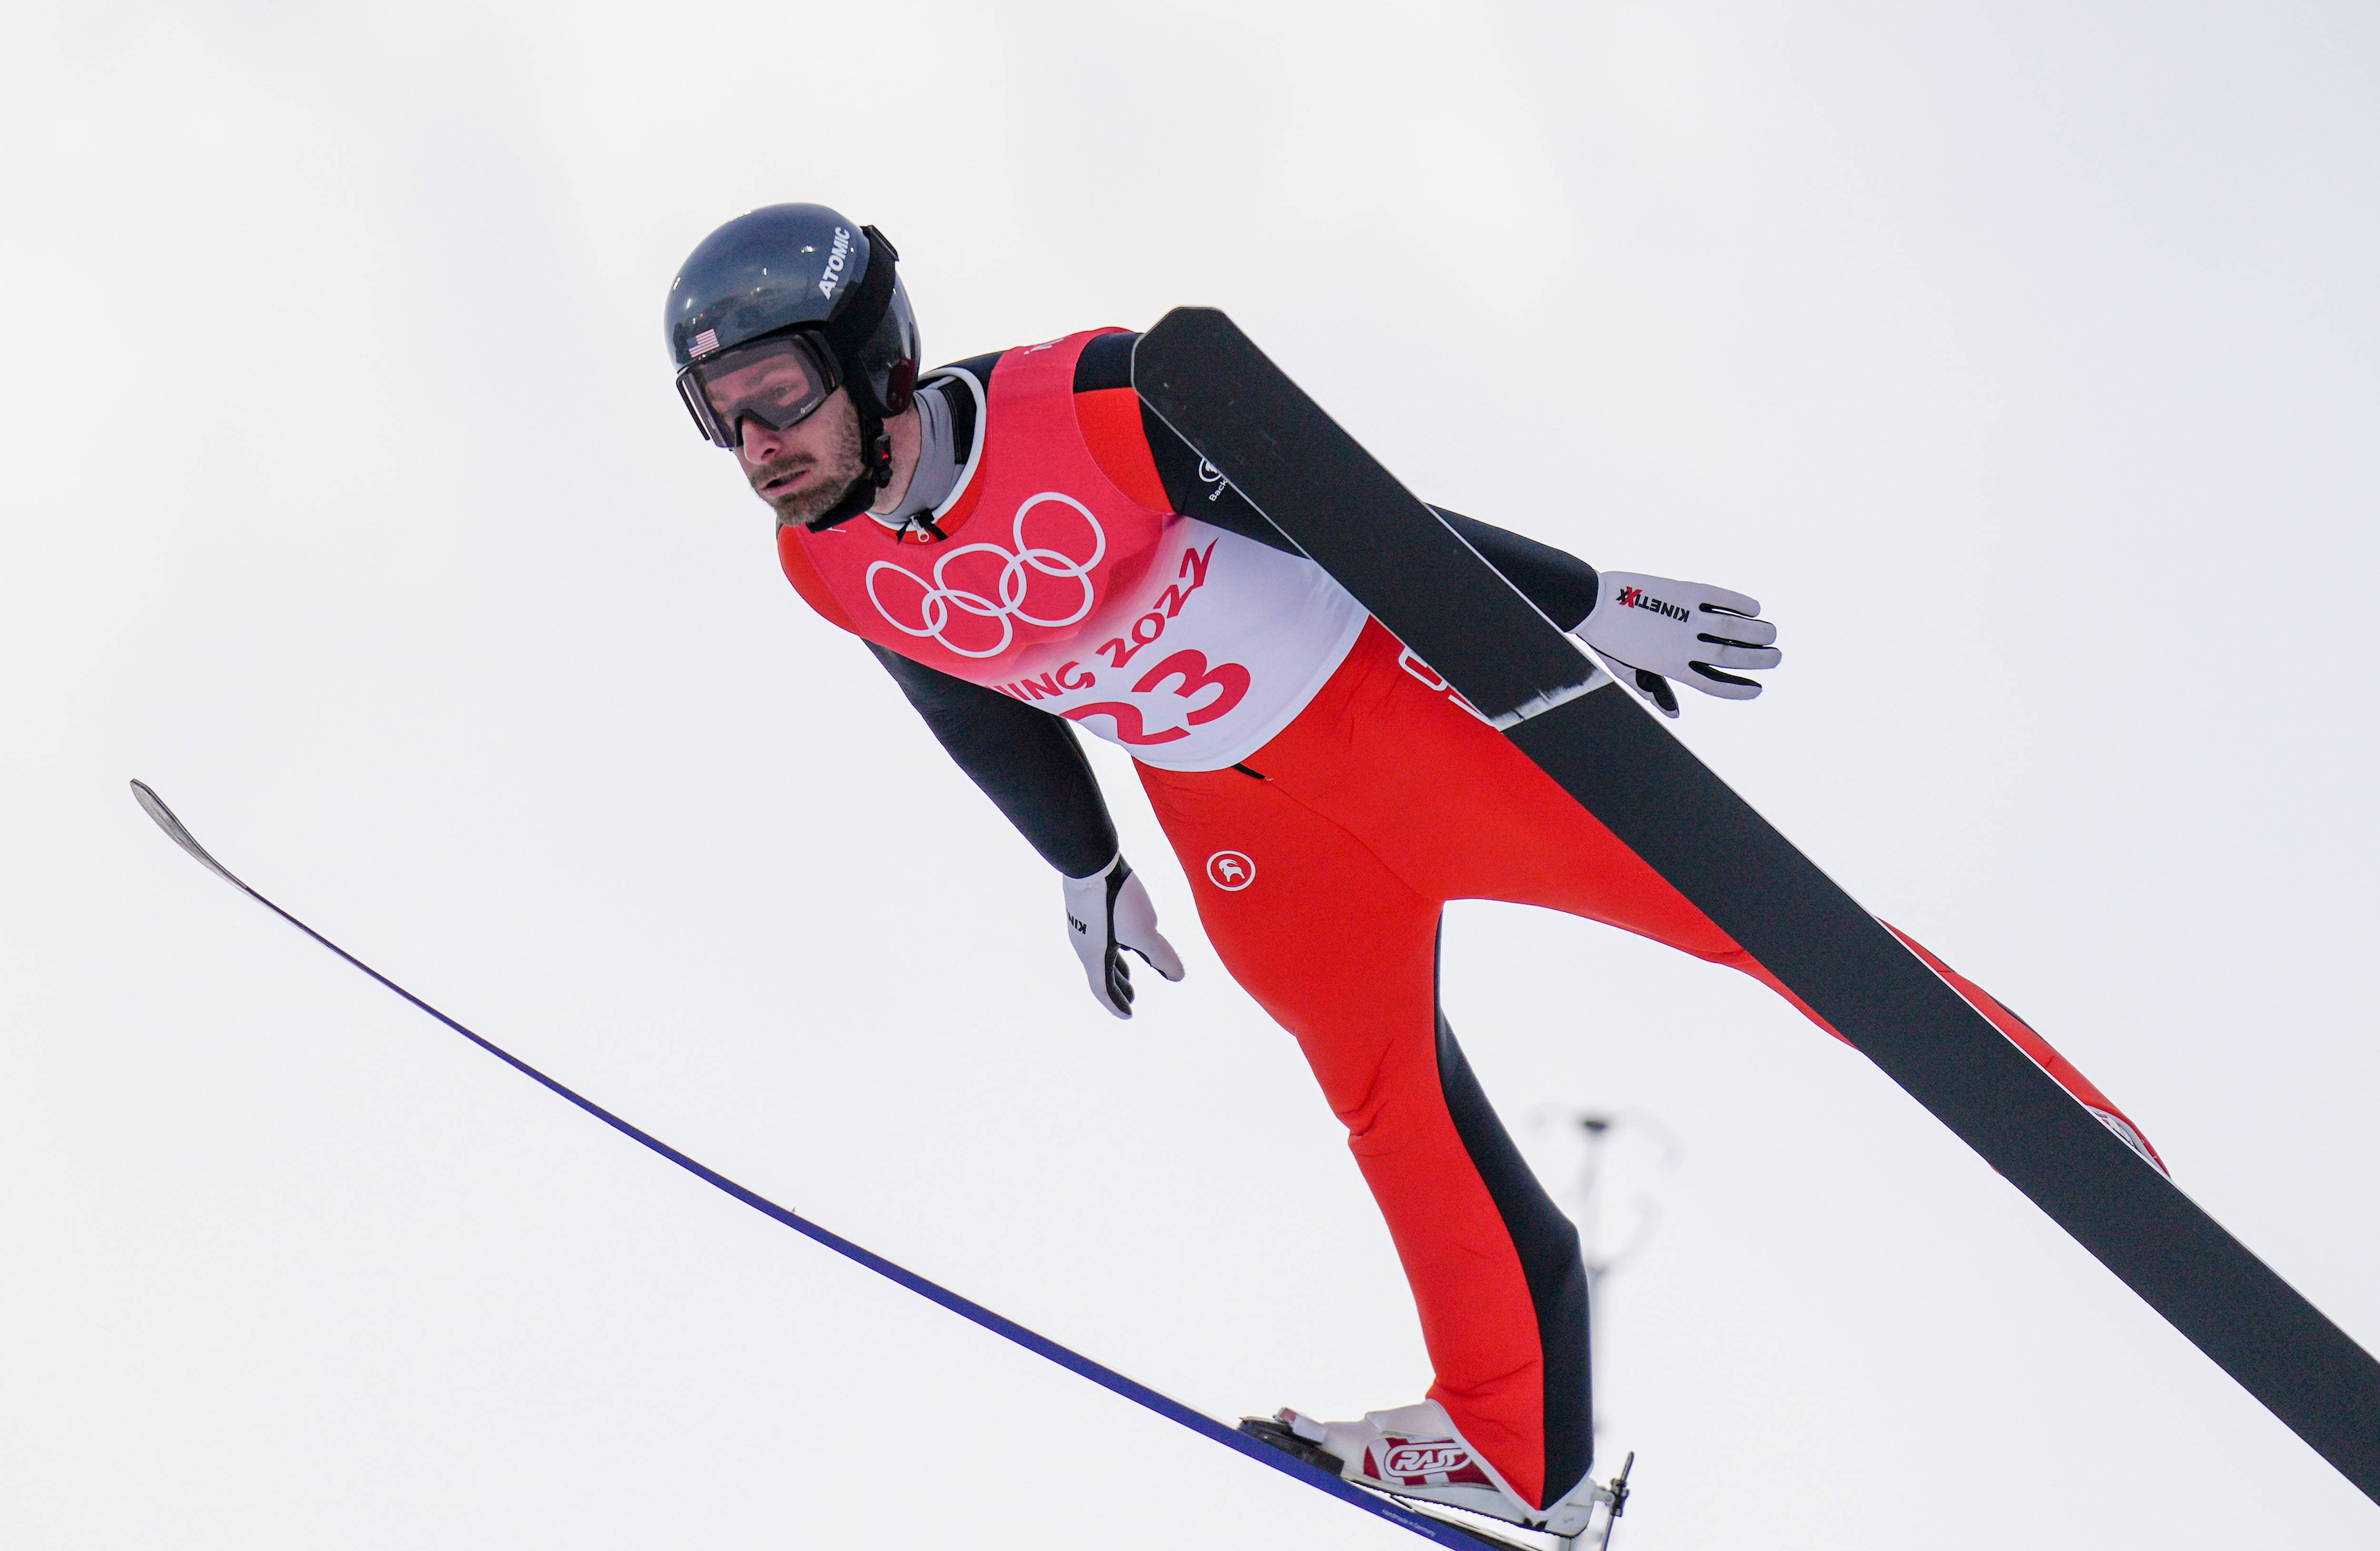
(1193, 355)
(1190, 326)
(1181, 317)
(178, 833)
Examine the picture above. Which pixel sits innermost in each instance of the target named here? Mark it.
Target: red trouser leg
(1321, 885)
(1344, 956)
(2031, 1044)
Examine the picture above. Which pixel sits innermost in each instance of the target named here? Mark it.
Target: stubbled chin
(798, 505)
(812, 496)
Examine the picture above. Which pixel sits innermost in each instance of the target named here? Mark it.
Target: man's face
(804, 470)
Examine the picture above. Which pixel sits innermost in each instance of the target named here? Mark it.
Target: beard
(832, 476)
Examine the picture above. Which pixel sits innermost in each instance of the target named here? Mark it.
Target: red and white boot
(1415, 1452)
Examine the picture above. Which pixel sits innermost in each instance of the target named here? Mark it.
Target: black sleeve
(1555, 580)
(1025, 760)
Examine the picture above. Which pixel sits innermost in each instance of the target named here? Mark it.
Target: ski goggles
(778, 381)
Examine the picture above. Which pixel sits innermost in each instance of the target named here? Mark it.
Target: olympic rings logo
(1017, 572)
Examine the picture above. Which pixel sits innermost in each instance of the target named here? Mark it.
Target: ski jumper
(1326, 794)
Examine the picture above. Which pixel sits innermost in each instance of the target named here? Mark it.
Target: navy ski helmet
(799, 279)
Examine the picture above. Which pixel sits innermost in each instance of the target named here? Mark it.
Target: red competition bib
(1050, 540)
(1188, 645)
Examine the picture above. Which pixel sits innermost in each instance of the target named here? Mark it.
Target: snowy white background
(2020, 357)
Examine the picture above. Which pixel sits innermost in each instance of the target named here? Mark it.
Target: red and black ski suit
(1321, 865)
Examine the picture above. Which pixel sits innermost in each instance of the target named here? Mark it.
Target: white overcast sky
(2023, 359)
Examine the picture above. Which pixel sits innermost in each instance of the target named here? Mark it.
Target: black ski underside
(1419, 578)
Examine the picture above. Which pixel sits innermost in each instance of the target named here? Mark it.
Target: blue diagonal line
(1000, 1325)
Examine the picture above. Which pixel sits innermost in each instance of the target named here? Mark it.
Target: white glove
(1106, 914)
(1645, 627)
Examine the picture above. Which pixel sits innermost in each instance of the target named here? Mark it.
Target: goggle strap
(689, 393)
(857, 317)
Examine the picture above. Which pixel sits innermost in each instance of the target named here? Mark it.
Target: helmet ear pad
(901, 388)
(882, 369)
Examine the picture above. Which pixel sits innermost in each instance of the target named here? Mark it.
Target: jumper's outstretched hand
(1107, 913)
(1650, 629)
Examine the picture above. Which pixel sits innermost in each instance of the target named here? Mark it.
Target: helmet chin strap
(845, 337)
(876, 471)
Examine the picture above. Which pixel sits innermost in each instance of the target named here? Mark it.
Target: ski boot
(1414, 1454)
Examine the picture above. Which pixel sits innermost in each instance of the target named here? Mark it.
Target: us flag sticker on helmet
(706, 342)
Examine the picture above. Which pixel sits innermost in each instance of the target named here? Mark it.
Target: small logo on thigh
(1230, 870)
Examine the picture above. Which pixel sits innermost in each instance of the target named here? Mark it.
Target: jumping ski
(1421, 579)
(1446, 1530)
